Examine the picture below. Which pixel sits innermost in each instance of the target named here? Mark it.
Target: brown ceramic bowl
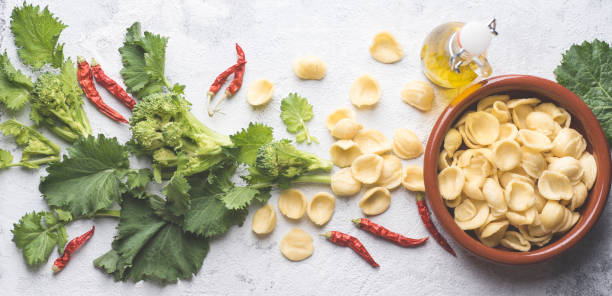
(582, 119)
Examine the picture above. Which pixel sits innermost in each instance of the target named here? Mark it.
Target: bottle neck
(459, 58)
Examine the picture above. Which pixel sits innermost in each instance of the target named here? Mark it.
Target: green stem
(107, 214)
(44, 160)
(324, 179)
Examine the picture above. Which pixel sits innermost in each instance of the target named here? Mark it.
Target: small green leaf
(14, 86)
(239, 197)
(247, 141)
(295, 112)
(35, 237)
(62, 239)
(137, 181)
(177, 195)
(209, 217)
(6, 158)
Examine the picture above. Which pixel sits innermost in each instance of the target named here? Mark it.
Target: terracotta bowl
(582, 119)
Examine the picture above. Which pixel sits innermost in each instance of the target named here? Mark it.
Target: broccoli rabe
(163, 127)
(58, 104)
(37, 149)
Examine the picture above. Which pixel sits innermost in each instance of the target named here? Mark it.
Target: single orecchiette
(309, 67)
(385, 48)
(418, 94)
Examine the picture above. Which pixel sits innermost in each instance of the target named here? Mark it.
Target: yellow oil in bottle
(435, 58)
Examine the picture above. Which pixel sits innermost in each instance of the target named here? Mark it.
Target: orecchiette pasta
(344, 152)
(385, 48)
(375, 201)
(519, 162)
(412, 178)
(391, 175)
(365, 92)
(321, 208)
(346, 129)
(372, 141)
(343, 183)
(406, 144)
(309, 67)
(264, 220)
(296, 245)
(337, 115)
(367, 168)
(418, 94)
(260, 92)
(292, 203)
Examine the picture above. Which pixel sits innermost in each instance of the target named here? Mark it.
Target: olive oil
(447, 63)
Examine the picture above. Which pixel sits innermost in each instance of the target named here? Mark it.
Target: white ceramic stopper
(475, 37)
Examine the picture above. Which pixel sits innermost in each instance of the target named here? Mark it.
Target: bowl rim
(594, 136)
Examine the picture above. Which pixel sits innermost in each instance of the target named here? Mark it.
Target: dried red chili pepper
(424, 213)
(345, 240)
(234, 86)
(85, 77)
(111, 85)
(380, 231)
(71, 247)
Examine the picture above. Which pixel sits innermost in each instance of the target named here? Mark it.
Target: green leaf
(34, 144)
(295, 112)
(177, 195)
(150, 248)
(14, 86)
(239, 197)
(137, 181)
(36, 237)
(62, 239)
(247, 141)
(63, 215)
(586, 70)
(89, 179)
(143, 58)
(36, 35)
(6, 158)
(210, 217)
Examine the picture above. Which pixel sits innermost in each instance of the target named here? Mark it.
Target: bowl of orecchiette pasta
(517, 169)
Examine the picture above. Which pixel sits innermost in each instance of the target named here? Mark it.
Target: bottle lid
(475, 37)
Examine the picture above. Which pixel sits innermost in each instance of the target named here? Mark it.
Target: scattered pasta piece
(344, 152)
(343, 183)
(309, 67)
(297, 245)
(292, 203)
(418, 94)
(412, 178)
(260, 92)
(365, 92)
(264, 220)
(386, 49)
(367, 168)
(406, 144)
(346, 129)
(391, 175)
(375, 201)
(372, 141)
(337, 115)
(321, 208)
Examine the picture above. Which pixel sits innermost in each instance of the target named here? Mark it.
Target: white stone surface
(533, 34)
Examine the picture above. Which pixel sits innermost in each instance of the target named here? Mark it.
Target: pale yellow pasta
(501, 112)
(525, 217)
(468, 142)
(296, 245)
(519, 115)
(260, 92)
(568, 166)
(386, 49)
(507, 177)
(533, 163)
(444, 160)
(540, 122)
(375, 201)
(494, 196)
(540, 201)
(372, 141)
(516, 241)
(309, 67)
(493, 228)
(365, 92)
(346, 129)
(520, 102)
(490, 100)
(587, 161)
(343, 183)
(553, 111)
(406, 144)
(391, 175)
(552, 214)
(493, 240)
(264, 220)
(463, 118)
(566, 119)
(555, 186)
(479, 219)
(344, 152)
(465, 211)
(418, 94)
(534, 140)
(452, 141)
(507, 131)
(292, 203)
(483, 127)
(476, 164)
(337, 115)
(321, 208)
(506, 154)
(412, 178)
(519, 195)
(367, 168)
(450, 182)
(568, 142)
(536, 234)
(472, 189)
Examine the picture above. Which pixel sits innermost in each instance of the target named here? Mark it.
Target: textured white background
(533, 34)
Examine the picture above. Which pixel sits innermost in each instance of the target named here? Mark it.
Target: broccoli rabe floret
(163, 126)
(37, 149)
